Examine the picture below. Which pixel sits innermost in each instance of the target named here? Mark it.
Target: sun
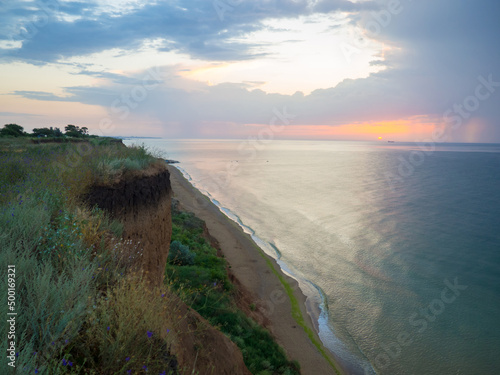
(379, 138)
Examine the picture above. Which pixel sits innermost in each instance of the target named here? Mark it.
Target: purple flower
(36, 371)
(107, 328)
(70, 364)
(150, 334)
(129, 371)
(64, 362)
(168, 330)
(163, 295)
(127, 359)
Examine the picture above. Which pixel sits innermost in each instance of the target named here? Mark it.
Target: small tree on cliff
(76, 131)
(47, 132)
(12, 130)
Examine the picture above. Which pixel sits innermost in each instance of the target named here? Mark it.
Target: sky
(403, 70)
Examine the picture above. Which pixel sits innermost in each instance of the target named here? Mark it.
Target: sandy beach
(253, 270)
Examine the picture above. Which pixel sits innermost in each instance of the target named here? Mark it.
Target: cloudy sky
(306, 69)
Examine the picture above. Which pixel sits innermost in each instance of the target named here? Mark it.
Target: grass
(297, 314)
(205, 286)
(73, 277)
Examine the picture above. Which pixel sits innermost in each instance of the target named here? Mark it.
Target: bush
(180, 254)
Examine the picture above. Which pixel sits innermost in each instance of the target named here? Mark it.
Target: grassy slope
(76, 310)
(204, 285)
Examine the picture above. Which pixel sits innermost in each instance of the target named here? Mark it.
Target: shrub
(131, 326)
(180, 254)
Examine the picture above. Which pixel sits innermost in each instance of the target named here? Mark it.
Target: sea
(395, 245)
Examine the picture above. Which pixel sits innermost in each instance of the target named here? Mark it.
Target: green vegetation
(203, 283)
(70, 131)
(80, 310)
(12, 130)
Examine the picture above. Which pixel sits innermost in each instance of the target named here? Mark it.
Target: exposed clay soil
(142, 202)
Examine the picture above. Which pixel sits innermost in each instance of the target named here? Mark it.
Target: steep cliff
(142, 202)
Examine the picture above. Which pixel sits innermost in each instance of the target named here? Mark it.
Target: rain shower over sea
(397, 247)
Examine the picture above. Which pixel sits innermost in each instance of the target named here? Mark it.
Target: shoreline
(283, 302)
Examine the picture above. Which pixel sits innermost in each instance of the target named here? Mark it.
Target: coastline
(277, 294)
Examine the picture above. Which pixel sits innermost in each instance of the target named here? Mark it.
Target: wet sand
(253, 270)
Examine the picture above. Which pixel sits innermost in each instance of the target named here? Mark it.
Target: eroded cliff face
(141, 201)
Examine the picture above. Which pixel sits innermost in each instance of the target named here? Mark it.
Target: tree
(47, 132)
(73, 131)
(13, 130)
(43, 132)
(58, 132)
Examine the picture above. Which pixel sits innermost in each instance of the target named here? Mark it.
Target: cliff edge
(141, 200)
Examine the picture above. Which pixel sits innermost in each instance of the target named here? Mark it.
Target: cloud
(12, 114)
(193, 27)
(40, 95)
(327, 6)
(435, 52)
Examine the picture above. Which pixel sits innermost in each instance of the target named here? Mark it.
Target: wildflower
(129, 371)
(17, 354)
(70, 364)
(64, 362)
(127, 359)
(36, 371)
(163, 295)
(107, 328)
(150, 334)
(145, 368)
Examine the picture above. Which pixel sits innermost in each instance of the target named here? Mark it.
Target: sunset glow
(346, 70)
